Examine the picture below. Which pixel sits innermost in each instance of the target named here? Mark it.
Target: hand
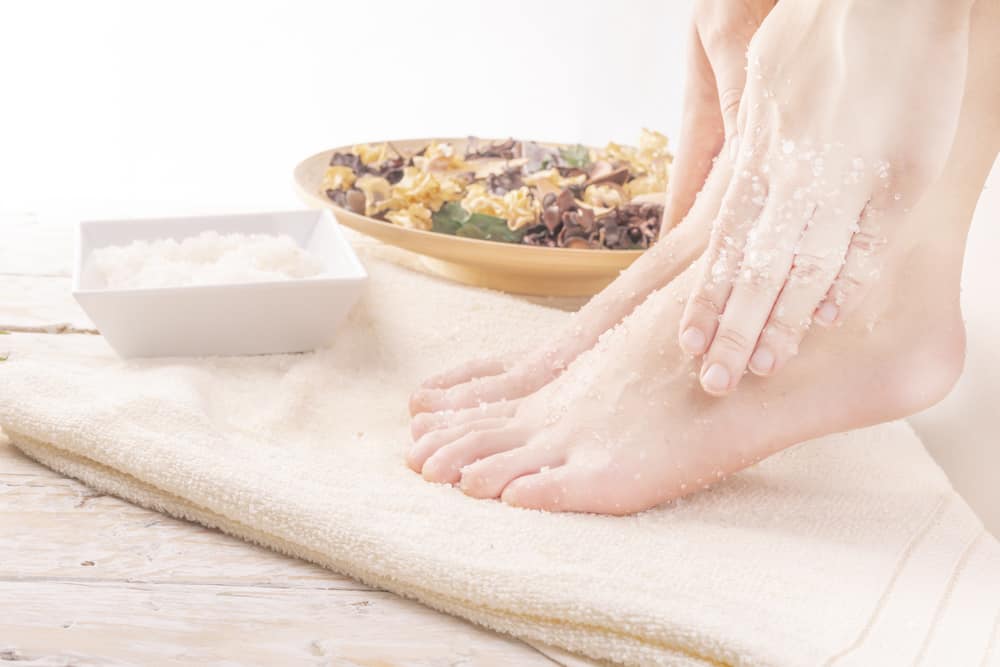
(716, 60)
(849, 113)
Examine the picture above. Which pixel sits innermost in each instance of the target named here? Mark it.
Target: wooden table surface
(88, 579)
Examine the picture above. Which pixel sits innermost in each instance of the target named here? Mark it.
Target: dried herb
(455, 220)
(450, 218)
(505, 181)
(563, 219)
(575, 156)
(489, 228)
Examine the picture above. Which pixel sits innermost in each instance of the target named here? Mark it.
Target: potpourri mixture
(511, 191)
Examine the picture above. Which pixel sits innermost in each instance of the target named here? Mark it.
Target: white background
(137, 108)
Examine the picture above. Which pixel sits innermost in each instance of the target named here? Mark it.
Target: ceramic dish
(509, 267)
(291, 315)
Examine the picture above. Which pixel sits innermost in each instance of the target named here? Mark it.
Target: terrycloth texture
(851, 550)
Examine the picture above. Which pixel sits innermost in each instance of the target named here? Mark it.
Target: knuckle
(847, 284)
(729, 100)
(783, 329)
(759, 282)
(867, 242)
(808, 268)
(705, 302)
(732, 339)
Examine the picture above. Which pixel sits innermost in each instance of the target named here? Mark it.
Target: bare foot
(491, 380)
(627, 427)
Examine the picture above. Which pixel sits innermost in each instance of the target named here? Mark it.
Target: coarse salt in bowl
(217, 285)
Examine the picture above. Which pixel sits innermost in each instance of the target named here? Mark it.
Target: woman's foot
(436, 403)
(628, 427)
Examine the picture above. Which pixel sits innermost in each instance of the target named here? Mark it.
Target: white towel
(849, 550)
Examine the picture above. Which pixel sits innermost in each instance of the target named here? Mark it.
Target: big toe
(490, 476)
(575, 488)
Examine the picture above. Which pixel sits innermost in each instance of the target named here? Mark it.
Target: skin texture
(819, 188)
(625, 424)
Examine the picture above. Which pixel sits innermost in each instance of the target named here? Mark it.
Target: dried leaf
(575, 156)
(489, 228)
(450, 218)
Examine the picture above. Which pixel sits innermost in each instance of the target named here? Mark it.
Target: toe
(475, 392)
(430, 443)
(425, 422)
(488, 478)
(446, 464)
(576, 488)
(544, 490)
(464, 373)
(427, 400)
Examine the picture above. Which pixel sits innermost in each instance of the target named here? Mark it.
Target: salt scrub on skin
(207, 259)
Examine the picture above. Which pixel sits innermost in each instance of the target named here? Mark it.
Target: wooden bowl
(521, 269)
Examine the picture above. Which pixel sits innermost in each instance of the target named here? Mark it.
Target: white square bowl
(229, 319)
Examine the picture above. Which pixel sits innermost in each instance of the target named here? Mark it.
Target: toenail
(762, 361)
(693, 341)
(716, 378)
(827, 314)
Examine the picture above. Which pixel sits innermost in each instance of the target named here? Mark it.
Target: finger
(726, 31)
(728, 59)
(741, 205)
(862, 266)
(767, 259)
(818, 259)
(701, 136)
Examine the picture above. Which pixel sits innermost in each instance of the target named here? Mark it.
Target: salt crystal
(207, 259)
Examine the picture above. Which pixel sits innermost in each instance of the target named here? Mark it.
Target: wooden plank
(165, 624)
(39, 303)
(83, 575)
(55, 528)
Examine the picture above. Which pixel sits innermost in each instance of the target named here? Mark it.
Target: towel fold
(848, 550)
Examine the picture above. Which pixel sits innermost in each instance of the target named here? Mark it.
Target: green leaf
(449, 218)
(453, 219)
(575, 156)
(489, 228)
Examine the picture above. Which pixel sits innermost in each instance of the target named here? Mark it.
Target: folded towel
(849, 550)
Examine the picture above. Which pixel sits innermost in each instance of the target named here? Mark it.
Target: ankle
(925, 368)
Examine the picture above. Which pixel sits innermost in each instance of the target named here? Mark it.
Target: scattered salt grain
(207, 259)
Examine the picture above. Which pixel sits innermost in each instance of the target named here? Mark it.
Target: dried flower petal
(338, 178)
(414, 216)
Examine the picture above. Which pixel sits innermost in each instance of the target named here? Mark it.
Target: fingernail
(693, 341)
(762, 361)
(827, 314)
(716, 378)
